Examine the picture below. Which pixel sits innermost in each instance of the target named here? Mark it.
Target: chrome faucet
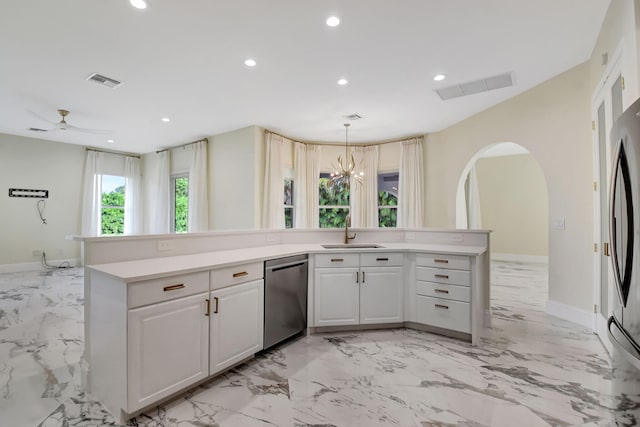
(347, 223)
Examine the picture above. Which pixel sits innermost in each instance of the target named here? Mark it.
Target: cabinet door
(381, 295)
(336, 296)
(167, 349)
(237, 324)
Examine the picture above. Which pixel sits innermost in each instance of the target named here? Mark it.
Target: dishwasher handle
(287, 265)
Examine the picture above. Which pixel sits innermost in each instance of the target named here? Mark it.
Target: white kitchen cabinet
(336, 296)
(237, 324)
(381, 293)
(370, 294)
(158, 335)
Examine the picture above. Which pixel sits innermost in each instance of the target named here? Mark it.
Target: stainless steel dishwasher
(285, 298)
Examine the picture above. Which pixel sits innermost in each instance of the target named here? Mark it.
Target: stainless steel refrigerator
(624, 324)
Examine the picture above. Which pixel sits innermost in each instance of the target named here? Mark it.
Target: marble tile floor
(531, 369)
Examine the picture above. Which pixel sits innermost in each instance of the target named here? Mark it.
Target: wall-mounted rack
(26, 192)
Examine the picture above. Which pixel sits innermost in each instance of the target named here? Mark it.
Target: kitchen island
(164, 322)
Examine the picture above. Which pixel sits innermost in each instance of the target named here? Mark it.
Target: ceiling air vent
(353, 117)
(477, 86)
(37, 130)
(105, 81)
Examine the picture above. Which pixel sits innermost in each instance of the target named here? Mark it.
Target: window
(112, 209)
(180, 203)
(334, 202)
(388, 199)
(288, 203)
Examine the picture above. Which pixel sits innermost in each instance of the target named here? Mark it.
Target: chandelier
(342, 174)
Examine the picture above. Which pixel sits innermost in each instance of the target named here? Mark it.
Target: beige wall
(513, 204)
(552, 121)
(37, 164)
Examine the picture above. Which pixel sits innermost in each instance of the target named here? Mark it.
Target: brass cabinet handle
(337, 259)
(442, 306)
(442, 291)
(215, 310)
(174, 287)
(208, 307)
(441, 276)
(605, 248)
(441, 261)
(382, 259)
(241, 274)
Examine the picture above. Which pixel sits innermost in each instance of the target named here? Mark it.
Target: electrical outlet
(165, 245)
(559, 224)
(410, 236)
(456, 238)
(36, 253)
(272, 238)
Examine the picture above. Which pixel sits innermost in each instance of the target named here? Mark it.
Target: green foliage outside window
(113, 211)
(387, 217)
(333, 195)
(182, 204)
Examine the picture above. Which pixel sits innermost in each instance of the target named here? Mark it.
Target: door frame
(602, 95)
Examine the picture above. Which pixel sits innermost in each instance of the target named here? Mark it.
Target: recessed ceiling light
(166, 119)
(343, 82)
(110, 141)
(439, 77)
(333, 21)
(250, 63)
(139, 4)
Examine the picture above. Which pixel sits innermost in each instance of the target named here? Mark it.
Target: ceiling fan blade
(77, 129)
(38, 116)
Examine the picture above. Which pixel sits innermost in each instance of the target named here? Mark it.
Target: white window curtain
(160, 187)
(92, 194)
(132, 193)
(473, 197)
(363, 197)
(198, 188)
(410, 195)
(306, 165)
(273, 190)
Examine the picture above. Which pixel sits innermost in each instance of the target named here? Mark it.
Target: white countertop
(133, 271)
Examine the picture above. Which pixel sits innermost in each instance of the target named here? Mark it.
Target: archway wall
(552, 121)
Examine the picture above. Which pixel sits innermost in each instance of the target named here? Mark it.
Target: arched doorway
(503, 188)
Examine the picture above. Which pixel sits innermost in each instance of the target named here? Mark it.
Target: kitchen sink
(352, 246)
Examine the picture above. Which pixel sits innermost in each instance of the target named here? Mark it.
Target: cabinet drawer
(381, 259)
(442, 313)
(227, 276)
(442, 275)
(456, 262)
(438, 290)
(166, 288)
(338, 260)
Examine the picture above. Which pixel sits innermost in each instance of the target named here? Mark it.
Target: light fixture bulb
(250, 63)
(166, 119)
(139, 4)
(333, 21)
(343, 82)
(110, 141)
(439, 77)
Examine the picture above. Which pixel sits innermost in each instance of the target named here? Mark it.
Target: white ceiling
(185, 60)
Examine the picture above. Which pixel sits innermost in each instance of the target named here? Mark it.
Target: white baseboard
(35, 266)
(572, 314)
(537, 259)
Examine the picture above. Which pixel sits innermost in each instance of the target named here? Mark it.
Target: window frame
(103, 206)
(380, 176)
(172, 201)
(292, 205)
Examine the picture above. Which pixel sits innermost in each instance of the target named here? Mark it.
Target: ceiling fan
(64, 126)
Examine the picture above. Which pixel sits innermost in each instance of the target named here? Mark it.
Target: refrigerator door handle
(621, 168)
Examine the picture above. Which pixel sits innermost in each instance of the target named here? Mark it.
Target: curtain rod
(184, 145)
(352, 145)
(112, 152)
